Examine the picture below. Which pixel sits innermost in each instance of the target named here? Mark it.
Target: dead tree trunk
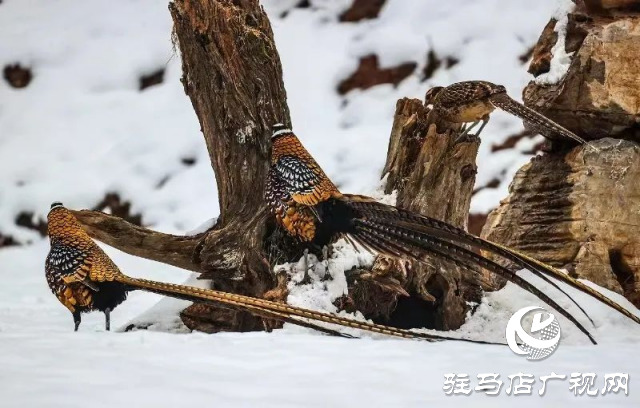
(233, 76)
(579, 209)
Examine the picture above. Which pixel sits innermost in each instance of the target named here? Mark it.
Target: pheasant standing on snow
(311, 208)
(473, 101)
(85, 279)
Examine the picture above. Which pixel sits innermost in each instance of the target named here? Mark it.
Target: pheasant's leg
(466, 131)
(76, 320)
(485, 120)
(325, 263)
(306, 279)
(107, 319)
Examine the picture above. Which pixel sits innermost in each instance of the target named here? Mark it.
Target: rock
(362, 10)
(154, 78)
(599, 97)
(606, 6)
(541, 54)
(119, 207)
(370, 74)
(17, 76)
(579, 211)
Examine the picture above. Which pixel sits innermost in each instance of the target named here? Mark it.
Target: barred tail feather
(506, 103)
(277, 310)
(171, 291)
(447, 231)
(541, 269)
(391, 238)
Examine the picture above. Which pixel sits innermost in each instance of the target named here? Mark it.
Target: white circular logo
(544, 337)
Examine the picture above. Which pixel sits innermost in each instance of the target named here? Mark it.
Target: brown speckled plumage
(473, 101)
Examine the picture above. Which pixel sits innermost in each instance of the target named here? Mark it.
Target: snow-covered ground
(82, 129)
(43, 363)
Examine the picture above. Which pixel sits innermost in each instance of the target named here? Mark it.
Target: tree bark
(232, 74)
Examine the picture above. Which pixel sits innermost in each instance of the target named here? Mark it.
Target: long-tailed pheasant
(311, 208)
(473, 101)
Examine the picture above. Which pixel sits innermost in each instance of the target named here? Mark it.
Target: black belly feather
(109, 295)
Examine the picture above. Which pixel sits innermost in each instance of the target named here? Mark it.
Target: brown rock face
(580, 211)
(119, 208)
(362, 10)
(17, 76)
(606, 6)
(370, 74)
(541, 53)
(154, 78)
(600, 95)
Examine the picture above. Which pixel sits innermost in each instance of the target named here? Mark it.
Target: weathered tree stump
(430, 173)
(579, 209)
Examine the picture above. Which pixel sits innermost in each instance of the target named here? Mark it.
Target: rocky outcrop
(17, 76)
(579, 211)
(600, 94)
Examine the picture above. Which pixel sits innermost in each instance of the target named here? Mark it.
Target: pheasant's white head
(280, 129)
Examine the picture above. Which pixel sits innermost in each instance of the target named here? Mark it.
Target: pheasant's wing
(101, 267)
(70, 264)
(302, 180)
(463, 92)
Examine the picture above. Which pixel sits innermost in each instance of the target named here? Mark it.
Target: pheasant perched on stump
(85, 279)
(310, 207)
(473, 101)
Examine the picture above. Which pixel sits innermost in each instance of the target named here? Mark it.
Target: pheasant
(311, 208)
(473, 101)
(84, 279)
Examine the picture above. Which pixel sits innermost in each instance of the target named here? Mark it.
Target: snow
(82, 129)
(328, 280)
(45, 364)
(490, 318)
(561, 60)
(204, 227)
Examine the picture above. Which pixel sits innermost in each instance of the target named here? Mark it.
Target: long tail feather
(506, 103)
(523, 261)
(441, 229)
(274, 309)
(462, 256)
(447, 231)
(169, 290)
